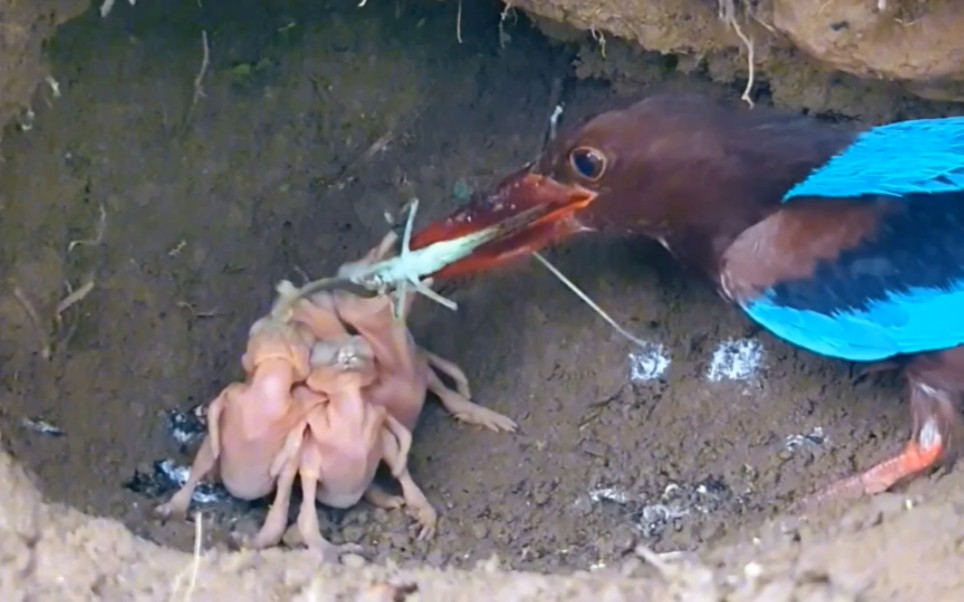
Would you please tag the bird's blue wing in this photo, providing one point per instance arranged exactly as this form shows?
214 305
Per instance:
901 290
923 156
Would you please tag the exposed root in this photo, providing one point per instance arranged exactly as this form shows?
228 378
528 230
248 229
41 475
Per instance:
600 39
727 14
108 5
199 314
686 577
35 320
458 23
75 297
588 301
54 89
205 62
348 171
503 16
98 233
195 567
176 249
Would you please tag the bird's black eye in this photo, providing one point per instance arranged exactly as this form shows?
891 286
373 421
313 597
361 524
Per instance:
588 163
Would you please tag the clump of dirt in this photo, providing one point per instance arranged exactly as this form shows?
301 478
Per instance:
145 224
913 41
848 57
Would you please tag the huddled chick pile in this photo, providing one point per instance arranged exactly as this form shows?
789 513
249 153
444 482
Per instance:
334 386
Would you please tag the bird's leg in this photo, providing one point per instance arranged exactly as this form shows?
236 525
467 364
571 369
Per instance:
934 419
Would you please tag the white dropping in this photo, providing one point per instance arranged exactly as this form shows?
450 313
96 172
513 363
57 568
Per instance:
736 359
609 494
649 362
179 475
815 438
183 437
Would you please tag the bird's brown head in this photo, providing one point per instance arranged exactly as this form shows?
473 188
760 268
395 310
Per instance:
682 169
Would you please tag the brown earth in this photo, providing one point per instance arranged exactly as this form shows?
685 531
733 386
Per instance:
206 204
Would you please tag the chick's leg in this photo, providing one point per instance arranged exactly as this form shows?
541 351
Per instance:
204 462
417 504
378 497
467 411
450 369
934 417
403 437
275 523
291 451
308 528
284 469
395 454
213 417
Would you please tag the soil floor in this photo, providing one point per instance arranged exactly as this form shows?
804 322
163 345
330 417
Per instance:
314 120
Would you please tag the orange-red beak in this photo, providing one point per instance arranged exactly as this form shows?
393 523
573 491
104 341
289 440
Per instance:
518 192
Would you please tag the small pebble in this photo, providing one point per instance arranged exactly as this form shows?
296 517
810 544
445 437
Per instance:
780 590
712 531
859 519
624 541
582 506
353 534
420 545
353 561
399 540
379 515
500 533
480 531
604 547
888 504
595 448
630 566
540 497
435 559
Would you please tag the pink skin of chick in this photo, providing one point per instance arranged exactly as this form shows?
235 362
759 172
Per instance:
406 371
253 427
347 438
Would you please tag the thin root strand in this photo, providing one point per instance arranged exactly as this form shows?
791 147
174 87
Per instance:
75 297
195 568
588 301
98 233
205 62
35 320
727 13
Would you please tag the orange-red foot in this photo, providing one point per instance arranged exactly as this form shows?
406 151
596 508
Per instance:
915 459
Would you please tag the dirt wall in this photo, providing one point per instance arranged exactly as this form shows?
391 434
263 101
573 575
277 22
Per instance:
820 55
113 143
